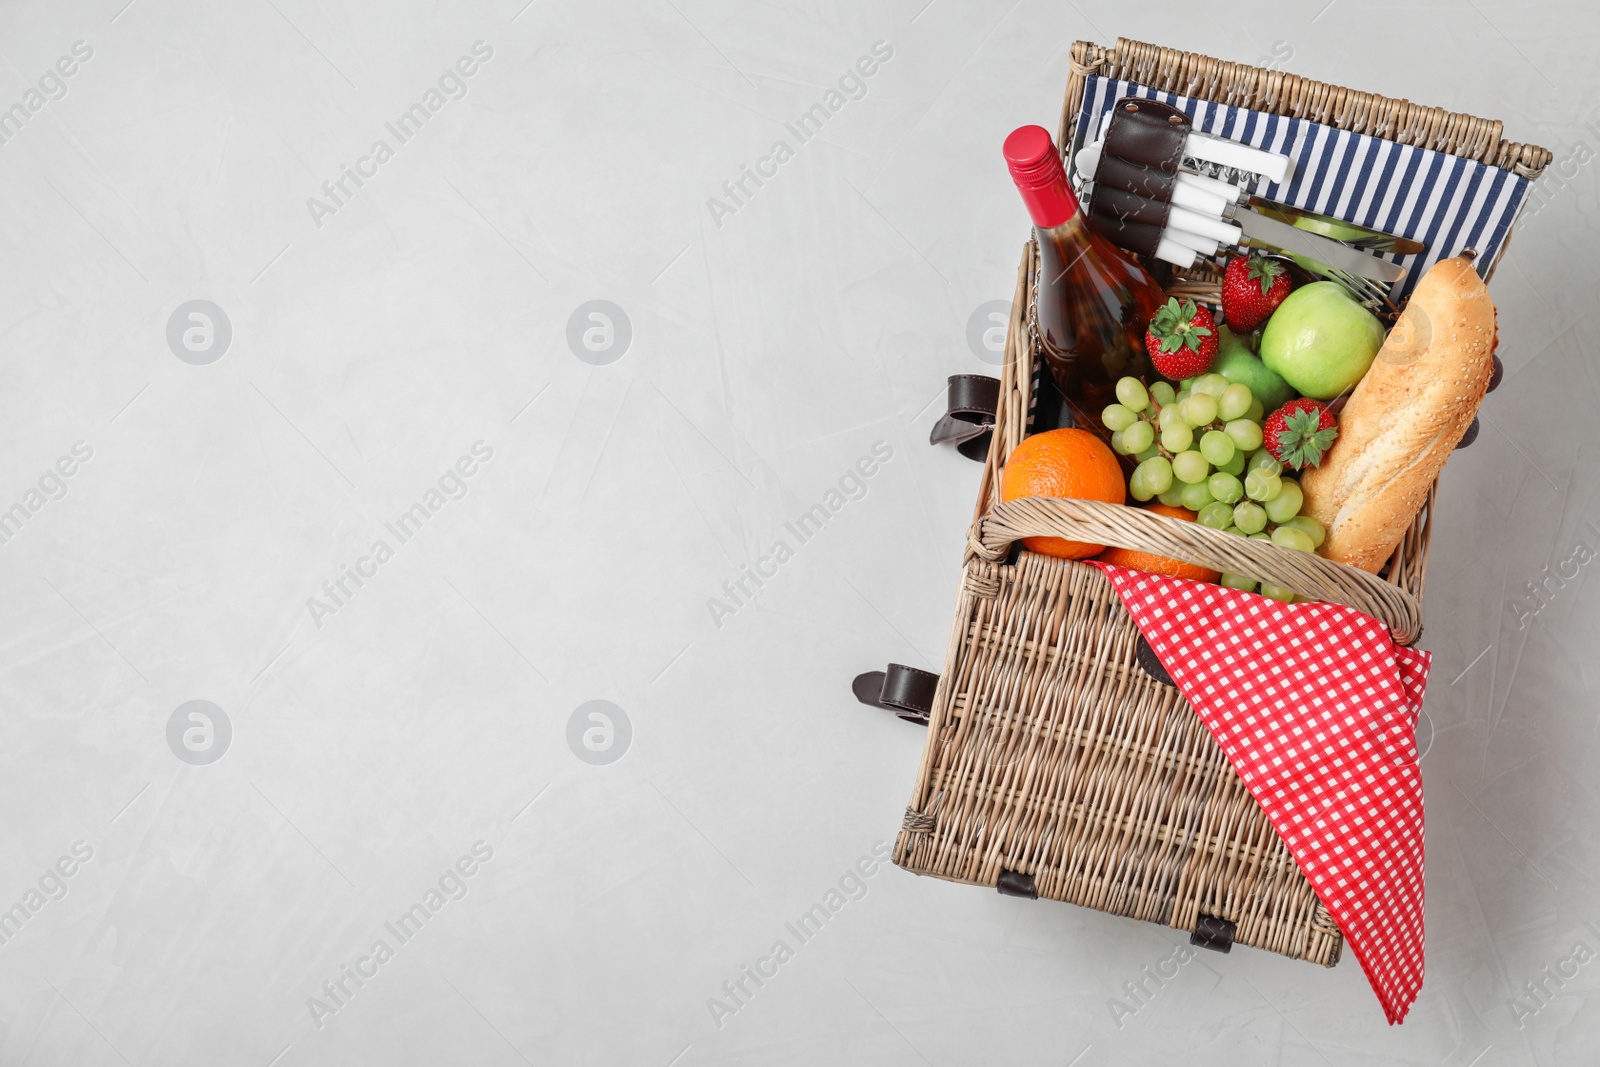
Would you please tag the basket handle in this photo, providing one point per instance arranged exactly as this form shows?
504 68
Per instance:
1099 523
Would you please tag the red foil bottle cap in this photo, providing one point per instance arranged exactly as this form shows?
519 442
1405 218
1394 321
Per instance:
1036 168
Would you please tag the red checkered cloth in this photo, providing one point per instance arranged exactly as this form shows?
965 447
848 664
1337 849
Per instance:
1317 710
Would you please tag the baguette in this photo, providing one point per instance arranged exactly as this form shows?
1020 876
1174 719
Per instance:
1405 417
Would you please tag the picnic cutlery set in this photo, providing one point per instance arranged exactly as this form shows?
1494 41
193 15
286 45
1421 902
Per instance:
1159 189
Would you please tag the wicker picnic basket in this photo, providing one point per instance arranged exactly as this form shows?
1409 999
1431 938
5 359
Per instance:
1055 766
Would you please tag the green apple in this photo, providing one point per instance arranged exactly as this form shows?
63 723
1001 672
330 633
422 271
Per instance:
1237 363
1320 340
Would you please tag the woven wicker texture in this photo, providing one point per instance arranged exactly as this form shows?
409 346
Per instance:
1112 524
1054 755
1051 754
1242 85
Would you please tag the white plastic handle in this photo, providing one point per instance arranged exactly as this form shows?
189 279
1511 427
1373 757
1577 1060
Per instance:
1205 246
1197 199
1227 153
1173 252
1226 190
1194 222
1085 162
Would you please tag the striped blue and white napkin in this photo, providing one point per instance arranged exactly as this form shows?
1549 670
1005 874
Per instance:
1446 202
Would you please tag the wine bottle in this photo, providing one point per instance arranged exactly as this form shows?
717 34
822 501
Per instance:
1094 302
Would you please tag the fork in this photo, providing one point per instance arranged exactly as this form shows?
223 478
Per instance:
1365 290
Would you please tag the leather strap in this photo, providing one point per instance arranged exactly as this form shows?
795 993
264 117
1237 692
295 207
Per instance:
1129 220
1151 182
1147 132
1138 169
1213 933
1129 206
1138 237
906 691
968 421
1151 664
1017 884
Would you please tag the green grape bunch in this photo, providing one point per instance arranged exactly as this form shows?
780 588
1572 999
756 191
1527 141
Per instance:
1199 446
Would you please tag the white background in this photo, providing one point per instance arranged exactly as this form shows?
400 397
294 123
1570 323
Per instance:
373 747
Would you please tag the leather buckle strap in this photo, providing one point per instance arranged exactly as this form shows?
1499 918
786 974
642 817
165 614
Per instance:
1140 238
1017 884
1151 664
1147 132
1152 183
1213 933
903 690
1130 207
1130 221
968 422
1138 169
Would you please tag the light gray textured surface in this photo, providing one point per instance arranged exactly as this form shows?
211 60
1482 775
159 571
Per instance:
376 744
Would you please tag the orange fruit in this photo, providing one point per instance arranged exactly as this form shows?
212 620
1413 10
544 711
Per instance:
1144 561
1063 463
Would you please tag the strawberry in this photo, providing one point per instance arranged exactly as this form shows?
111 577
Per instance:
1252 289
1181 340
1300 433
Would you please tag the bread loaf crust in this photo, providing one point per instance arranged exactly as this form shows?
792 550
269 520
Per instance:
1405 417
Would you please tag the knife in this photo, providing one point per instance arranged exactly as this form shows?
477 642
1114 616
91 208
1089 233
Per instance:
1361 236
1269 231
1262 230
